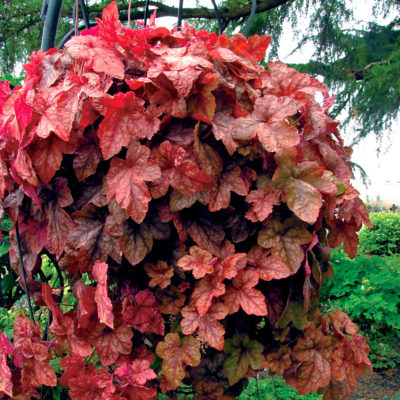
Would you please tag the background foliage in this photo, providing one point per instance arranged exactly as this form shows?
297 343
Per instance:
384 237
368 287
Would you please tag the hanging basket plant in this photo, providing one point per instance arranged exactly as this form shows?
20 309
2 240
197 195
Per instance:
200 193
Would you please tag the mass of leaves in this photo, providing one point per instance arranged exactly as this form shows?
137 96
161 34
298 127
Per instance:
200 192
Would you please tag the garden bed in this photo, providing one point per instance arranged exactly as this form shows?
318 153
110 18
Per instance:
377 385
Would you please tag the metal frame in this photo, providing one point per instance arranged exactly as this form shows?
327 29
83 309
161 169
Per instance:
51 9
50 13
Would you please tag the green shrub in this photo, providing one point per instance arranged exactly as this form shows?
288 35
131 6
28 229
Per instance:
14 81
269 388
367 288
384 237
272 388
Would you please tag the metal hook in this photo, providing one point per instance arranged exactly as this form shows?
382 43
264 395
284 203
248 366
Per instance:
251 17
146 14
75 9
69 34
52 15
85 14
218 17
43 13
81 4
180 14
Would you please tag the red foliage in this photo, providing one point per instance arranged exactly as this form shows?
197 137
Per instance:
200 191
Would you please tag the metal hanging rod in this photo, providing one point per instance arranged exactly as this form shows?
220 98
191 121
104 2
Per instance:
51 9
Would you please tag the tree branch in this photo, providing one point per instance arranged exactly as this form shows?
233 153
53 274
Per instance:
232 13
226 13
360 73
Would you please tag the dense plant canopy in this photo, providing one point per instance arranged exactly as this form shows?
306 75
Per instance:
358 59
199 193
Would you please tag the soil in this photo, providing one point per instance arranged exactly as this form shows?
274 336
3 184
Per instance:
376 385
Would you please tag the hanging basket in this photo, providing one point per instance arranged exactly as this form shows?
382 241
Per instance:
199 194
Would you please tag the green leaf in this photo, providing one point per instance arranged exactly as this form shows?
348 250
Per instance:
4 247
7 283
6 224
242 354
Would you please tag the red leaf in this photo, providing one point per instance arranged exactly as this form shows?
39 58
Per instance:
126 181
134 376
59 106
6 385
137 373
47 155
355 211
110 343
210 330
201 104
22 169
228 267
164 95
341 320
263 201
253 48
346 234
124 118
97 55
5 92
275 133
278 361
34 352
285 240
207 157
4 178
243 294
87 307
286 81
109 25
182 174
346 367
87 157
172 301
205 291
104 305
58 228
205 231
88 240
176 354
62 327
303 184
315 352
230 180
45 374
200 262
267 266
136 241
145 315
85 382
160 274
231 130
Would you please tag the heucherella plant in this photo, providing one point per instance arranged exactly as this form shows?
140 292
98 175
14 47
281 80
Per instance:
200 193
